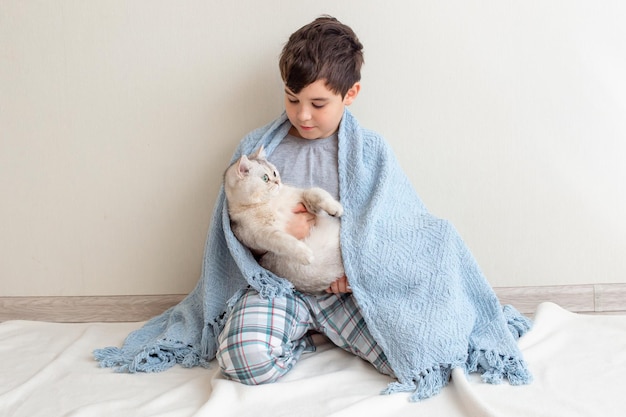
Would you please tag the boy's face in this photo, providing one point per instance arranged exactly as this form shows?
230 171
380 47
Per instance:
315 112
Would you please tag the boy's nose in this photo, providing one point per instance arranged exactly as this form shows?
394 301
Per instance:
304 114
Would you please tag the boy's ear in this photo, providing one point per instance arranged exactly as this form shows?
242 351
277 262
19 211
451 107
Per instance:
352 93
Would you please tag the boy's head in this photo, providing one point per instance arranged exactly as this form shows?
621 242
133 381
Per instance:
321 68
325 49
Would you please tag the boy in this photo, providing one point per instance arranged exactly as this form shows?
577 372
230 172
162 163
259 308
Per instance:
414 304
320 65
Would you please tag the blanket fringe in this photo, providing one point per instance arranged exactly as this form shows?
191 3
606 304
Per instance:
161 354
270 286
156 358
518 324
395 387
496 368
113 357
429 382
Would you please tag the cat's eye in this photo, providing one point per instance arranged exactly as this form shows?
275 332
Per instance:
266 178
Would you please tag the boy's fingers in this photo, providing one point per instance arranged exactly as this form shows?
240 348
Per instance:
299 208
339 286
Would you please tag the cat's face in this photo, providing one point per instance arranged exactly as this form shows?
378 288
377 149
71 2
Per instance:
252 179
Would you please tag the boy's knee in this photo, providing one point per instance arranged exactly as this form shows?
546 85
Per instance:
253 362
253 353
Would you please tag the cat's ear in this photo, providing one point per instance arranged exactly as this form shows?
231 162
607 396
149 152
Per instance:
243 166
259 154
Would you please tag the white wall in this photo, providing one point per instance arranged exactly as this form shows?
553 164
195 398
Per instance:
117 119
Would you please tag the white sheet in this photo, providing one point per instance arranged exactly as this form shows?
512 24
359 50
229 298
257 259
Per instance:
46 369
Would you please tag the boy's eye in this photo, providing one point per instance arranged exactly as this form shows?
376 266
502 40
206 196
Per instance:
318 106
266 178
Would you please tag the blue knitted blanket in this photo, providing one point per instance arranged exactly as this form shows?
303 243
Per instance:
421 292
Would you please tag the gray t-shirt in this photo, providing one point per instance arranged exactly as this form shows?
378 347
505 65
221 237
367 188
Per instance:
308 163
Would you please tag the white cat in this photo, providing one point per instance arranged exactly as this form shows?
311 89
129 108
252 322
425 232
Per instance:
260 205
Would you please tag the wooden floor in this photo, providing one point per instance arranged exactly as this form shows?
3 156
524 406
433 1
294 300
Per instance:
592 299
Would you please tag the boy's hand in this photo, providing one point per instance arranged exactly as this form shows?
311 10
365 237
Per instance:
340 286
299 226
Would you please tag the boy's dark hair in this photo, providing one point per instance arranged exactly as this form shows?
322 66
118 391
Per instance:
325 49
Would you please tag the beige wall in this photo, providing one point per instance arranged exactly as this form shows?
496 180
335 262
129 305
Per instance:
117 119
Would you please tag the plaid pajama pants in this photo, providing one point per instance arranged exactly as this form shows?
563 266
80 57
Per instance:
264 338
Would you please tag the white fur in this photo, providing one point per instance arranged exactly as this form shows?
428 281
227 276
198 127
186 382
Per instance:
259 212
326 265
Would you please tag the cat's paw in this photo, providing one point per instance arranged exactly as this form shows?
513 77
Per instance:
303 254
334 208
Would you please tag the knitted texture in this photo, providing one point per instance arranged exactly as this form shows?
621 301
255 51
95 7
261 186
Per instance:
421 292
